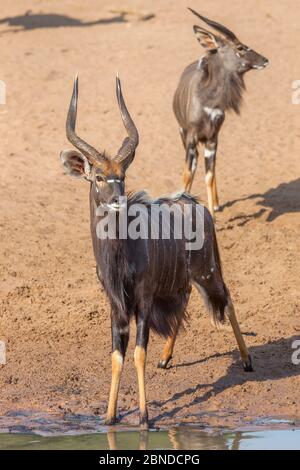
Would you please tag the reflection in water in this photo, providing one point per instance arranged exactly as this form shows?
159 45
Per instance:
191 438
143 441
182 437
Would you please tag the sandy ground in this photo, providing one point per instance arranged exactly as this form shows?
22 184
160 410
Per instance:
54 317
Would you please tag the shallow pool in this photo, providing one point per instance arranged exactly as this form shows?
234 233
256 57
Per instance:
180 437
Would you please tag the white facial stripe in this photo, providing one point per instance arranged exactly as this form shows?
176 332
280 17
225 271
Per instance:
113 181
213 113
209 153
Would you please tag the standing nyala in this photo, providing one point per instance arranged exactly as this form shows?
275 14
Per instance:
148 279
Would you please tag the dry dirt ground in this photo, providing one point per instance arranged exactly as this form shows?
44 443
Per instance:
54 316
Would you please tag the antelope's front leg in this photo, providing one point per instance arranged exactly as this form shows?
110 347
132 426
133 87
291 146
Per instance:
120 336
215 194
190 166
140 354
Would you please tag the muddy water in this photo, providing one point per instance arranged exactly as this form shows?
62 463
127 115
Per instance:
181 437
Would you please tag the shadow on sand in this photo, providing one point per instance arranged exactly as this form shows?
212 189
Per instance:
283 199
31 21
272 361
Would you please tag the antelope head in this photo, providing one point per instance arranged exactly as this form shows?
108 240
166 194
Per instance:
105 174
236 56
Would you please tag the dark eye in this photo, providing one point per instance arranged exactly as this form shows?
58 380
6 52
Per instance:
99 178
240 48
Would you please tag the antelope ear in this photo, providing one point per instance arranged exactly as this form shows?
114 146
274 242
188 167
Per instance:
76 164
207 40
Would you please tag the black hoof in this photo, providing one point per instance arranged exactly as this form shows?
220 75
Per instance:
163 363
248 365
111 421
144 424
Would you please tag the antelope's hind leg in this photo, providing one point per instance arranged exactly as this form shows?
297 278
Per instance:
167 351
120 336
217 299
246 358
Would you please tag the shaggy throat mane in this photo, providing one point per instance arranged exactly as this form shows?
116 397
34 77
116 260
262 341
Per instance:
224 87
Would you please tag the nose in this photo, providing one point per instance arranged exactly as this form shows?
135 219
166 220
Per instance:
266 61
115 199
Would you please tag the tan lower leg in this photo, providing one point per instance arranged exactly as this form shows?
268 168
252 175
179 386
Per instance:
237 332
117 365
215 194
209 177
187 179
168 350
140 364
